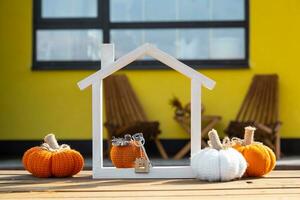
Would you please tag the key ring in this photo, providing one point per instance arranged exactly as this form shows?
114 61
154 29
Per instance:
139 138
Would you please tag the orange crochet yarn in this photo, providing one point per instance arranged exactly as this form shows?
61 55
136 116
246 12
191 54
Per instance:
260 158
51 159
124 156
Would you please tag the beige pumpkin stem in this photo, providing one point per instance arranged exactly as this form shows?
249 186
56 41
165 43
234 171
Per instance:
215 140
249 135
51 141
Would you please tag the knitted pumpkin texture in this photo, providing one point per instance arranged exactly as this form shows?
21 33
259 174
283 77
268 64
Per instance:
124 156
218 162
260 158
52 160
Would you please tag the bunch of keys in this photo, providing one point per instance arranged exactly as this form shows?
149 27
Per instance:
142 164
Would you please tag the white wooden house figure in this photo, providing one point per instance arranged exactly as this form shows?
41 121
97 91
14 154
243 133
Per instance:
108 66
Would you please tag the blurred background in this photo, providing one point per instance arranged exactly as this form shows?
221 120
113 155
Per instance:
47 46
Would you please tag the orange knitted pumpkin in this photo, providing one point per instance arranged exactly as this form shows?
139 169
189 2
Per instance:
260 158
124 156
51 159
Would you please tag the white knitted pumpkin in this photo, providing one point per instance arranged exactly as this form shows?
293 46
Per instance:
218 163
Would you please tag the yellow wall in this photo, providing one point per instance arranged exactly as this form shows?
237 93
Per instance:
35 103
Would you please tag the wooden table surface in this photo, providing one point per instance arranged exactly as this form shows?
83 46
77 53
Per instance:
20 185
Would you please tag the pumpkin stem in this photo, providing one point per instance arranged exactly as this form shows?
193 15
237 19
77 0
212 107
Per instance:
51 141
215 140
249 135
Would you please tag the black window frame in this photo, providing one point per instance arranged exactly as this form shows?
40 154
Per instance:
103 22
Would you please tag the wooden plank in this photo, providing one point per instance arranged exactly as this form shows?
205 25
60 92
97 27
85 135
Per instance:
132 113
246 102
79 184
143 194
116 97
28 179
175 185
20 185
88 173
112 116
252 109
276 101
134 100
262 102
265 197
125 108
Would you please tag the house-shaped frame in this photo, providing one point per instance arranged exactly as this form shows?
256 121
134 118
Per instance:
108 67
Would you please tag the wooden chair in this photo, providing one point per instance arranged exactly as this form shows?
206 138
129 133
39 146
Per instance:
124 113
260 109
182 116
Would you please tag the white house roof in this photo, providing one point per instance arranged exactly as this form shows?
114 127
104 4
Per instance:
150 50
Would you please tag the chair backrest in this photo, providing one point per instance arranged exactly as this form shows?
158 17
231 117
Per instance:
261 102
122 106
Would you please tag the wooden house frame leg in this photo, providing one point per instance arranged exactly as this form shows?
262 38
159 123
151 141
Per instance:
97 126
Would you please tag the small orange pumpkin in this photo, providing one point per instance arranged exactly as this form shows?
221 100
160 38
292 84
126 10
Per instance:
51 159
260 158
124 156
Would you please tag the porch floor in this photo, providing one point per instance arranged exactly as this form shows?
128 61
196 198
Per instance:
285 163
18 184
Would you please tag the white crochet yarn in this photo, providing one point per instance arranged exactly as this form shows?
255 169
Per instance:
225 164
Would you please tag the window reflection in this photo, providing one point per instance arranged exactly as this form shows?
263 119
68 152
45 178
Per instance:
227 43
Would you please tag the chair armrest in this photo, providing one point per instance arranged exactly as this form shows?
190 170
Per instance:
213 120
277 126
211 117
263 127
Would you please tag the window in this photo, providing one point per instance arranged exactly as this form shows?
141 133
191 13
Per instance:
202 33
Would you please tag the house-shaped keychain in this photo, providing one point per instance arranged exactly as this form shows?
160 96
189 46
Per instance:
108 66
142 165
